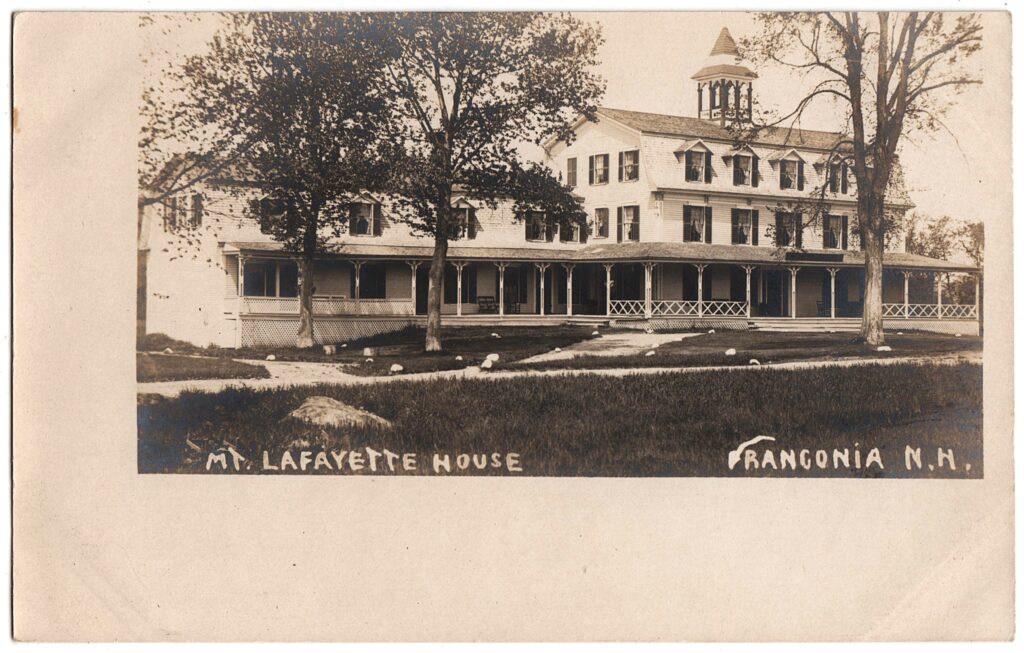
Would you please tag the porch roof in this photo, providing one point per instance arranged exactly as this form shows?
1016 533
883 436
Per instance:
629 252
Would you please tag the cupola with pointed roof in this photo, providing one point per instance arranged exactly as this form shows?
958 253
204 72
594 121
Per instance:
724 84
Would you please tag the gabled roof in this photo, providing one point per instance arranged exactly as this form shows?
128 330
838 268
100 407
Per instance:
694 128
689 145
783 154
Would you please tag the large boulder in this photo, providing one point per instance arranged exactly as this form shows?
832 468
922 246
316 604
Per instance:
331 412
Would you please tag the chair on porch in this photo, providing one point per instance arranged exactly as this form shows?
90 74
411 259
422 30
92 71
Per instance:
486 304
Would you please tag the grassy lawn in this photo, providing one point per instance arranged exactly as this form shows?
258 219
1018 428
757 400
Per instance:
641 425
767 347
172 367
406 348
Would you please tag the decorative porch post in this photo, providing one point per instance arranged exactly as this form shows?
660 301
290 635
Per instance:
458 288
700 288
608 288
647 289
413 266
832 292
938 284
501 288
977 296
569 267
543 267
241 300
748 269
906 294
359 266
792 291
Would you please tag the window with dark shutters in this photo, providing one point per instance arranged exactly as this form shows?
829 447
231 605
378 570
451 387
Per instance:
742 226
833 177
630 223
599 169
570 172
197 210
629 165
787 174
170 213
600 223
364 219
697 224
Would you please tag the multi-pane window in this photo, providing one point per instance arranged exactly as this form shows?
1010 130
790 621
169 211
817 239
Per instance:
600 223
463 224
629 165
183 211
741 171
787 174
833 232
536 227
629 223
743 226
271 279
695 166
364 219
598 169
570 172
695 224
787 230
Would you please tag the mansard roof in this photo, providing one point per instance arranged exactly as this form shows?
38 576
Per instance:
696 128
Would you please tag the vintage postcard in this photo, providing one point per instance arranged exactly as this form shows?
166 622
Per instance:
448 326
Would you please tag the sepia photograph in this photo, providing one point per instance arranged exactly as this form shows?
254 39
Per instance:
483 243
469 324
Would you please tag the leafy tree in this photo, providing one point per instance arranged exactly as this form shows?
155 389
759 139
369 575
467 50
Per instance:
289 105
470 89
890 75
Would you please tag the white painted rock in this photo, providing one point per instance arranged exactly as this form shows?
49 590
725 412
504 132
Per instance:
730 352
369 360
330 350
883 348
754 361
558 349
344 345
458 358
493 357
331 412
650 353
168 351
396 368
711 330
595 333
487 364
956 335
271 357
495 335
899 333
368 351
831 330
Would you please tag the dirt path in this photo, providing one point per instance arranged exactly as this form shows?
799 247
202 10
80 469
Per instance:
611 344
284 374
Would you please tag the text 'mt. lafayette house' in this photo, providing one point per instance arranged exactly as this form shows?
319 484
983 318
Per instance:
684 228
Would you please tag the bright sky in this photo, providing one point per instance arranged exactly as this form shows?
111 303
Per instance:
649 57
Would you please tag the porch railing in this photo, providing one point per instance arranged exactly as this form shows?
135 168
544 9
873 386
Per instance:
931 311
327 305
678 308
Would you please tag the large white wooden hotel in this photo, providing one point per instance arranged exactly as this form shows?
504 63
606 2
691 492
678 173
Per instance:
685 229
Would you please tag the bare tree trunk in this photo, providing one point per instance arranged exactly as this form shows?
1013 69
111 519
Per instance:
437 263
304 339
871 325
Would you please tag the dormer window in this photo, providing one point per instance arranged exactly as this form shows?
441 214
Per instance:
276 214
629 165
837 178
787 174
463 224
364 219
598 169
741 171
698 166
